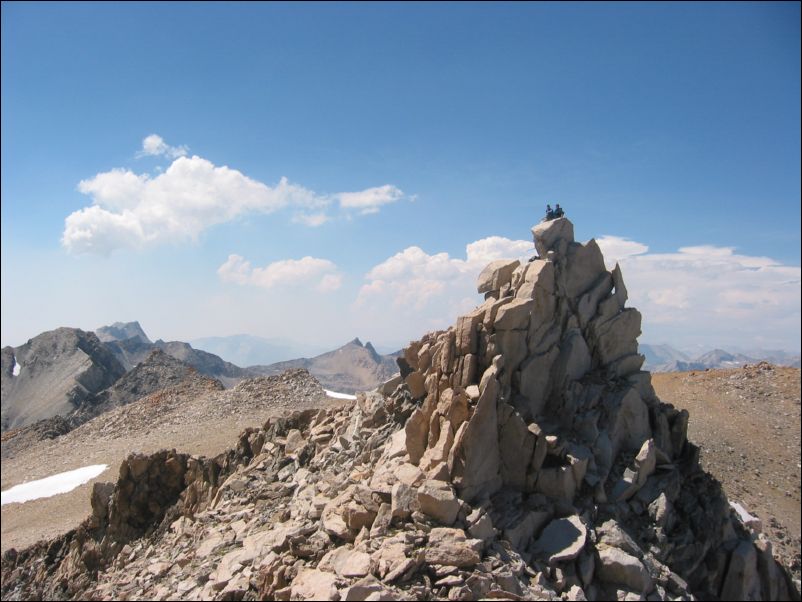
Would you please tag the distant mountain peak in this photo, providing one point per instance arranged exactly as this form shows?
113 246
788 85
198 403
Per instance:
356 342
120 331
375 354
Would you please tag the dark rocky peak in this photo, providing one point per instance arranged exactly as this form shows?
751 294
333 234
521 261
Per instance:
373 353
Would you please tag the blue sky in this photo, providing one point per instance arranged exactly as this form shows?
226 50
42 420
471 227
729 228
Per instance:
670 132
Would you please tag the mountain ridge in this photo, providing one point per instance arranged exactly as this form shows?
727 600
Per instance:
665 358
350 368
52 374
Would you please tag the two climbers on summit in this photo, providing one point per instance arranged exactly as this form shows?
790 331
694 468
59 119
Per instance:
551 214
554 213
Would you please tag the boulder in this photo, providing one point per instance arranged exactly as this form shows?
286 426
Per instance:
616 566
414 382
450 547
312 584
345 562
516 445
536 380
404 501
747 520
617 337
495 275
742 582
295 442
584 268
521 532
476 467
417 431
631 427
437 499
466 332
514 315
537 281
549 234
562 539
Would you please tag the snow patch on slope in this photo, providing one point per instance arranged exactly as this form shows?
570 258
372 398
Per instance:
50 486
336 395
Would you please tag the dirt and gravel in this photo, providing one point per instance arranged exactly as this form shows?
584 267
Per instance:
746 422
194 417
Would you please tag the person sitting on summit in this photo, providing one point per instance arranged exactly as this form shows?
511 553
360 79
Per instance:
558 211
549 213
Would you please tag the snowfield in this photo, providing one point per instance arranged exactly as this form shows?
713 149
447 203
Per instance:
336 395
50 486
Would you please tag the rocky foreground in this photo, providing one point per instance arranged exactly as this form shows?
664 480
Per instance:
521 454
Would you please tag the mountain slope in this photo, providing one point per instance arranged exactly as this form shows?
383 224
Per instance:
660 355
157 373
351 368
52 374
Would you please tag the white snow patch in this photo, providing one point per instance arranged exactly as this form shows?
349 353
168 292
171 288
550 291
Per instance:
15 370
58 483
336 395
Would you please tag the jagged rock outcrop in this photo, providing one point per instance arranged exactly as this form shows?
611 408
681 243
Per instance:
52 374
524 455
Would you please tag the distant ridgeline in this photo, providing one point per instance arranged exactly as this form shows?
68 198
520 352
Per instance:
57 372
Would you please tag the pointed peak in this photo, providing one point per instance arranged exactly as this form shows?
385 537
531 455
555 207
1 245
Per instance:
356 342
373 353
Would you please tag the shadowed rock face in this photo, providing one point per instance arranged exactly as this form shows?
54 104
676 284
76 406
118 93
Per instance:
52 374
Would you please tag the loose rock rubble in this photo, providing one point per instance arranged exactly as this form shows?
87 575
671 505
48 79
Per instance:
520 455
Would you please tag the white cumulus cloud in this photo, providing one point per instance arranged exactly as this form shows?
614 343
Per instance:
701 295
136 210
310 219
615 248
154 145
709 295
370 199
414 279
320 274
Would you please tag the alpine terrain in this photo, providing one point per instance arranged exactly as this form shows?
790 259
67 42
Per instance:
521 454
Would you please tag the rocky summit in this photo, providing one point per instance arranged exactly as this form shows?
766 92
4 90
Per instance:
521 454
